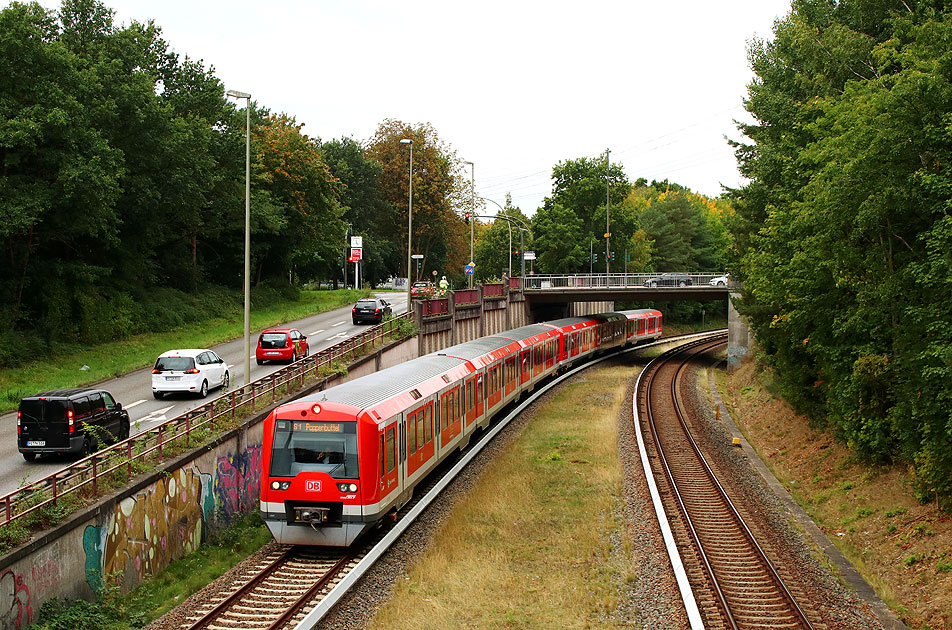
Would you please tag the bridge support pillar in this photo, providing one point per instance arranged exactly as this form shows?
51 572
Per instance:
739 337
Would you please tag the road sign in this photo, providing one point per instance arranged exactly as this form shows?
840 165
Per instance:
416 256
468 269
357 242
529 256
355 253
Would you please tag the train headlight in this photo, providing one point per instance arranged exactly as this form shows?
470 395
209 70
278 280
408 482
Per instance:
347 487
280 485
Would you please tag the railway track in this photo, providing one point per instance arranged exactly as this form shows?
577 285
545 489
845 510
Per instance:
733 581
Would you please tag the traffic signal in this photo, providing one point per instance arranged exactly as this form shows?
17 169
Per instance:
516 252
466 218
589 259
611 256
594 257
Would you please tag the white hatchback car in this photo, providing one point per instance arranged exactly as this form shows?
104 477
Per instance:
721 281
194 371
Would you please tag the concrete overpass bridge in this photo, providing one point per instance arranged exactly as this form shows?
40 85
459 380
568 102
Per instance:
552 296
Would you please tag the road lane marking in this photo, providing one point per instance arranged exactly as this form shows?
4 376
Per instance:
317 332
341 335
338 324
133 404
157 416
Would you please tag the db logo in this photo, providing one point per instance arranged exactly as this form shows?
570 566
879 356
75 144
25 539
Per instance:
312 485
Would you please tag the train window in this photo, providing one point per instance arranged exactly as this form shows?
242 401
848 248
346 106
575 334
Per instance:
525 362
420 440
391 451
537 355
383 463
411 434
428 423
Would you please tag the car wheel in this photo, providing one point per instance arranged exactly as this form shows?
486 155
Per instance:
87 448
29 456
259 361
158 395
355 322
307 351
682 283
203 392
653 285
226 381
124 432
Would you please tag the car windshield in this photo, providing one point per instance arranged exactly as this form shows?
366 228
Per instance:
272 337
366 301
174 364
308 446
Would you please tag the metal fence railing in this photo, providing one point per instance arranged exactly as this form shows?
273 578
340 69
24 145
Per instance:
620 280
119 463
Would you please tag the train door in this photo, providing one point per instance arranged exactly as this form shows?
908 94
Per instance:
471 397
550 353
419 438
494 384
538 361
576 343
641 327
525 365
389 470
450 420
510 375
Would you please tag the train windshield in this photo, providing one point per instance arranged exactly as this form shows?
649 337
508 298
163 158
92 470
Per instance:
308 446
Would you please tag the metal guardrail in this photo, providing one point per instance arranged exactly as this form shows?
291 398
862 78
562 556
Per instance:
135 454
618 280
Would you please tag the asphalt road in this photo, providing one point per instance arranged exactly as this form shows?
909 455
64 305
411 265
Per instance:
134 390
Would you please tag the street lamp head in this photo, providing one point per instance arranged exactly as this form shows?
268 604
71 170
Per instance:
237 94
406 141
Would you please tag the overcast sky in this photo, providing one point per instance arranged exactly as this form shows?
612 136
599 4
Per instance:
513 86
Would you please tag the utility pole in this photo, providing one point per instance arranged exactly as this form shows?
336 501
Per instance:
608 200
591 251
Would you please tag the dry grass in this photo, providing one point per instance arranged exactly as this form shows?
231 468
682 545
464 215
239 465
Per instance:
530 546
902 548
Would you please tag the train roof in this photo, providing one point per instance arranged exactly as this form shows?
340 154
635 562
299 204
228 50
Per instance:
524 332
375 388
475 348
565 322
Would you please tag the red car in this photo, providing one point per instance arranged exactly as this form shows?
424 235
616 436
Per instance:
281 344
420 290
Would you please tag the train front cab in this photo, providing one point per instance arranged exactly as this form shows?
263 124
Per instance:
311 465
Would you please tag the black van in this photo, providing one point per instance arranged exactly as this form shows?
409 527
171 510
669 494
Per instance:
69 421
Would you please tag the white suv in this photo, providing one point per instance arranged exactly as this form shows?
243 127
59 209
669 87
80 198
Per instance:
194 371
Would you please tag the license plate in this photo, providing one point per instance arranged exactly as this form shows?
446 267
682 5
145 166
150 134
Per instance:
273 353
173 378
36 442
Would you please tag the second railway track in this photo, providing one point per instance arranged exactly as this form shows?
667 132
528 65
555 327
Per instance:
734 582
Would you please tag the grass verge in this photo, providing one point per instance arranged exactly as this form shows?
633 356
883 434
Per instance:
531 546
120 357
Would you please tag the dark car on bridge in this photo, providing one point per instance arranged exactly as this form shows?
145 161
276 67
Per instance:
670 279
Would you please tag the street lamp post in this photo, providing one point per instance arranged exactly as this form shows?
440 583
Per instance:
409 221
509 221
247 97
608 232
472 219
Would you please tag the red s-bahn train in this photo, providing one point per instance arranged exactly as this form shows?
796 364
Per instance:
336 462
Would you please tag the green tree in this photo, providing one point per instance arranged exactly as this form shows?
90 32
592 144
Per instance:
438 232
841 235
365 208
561 243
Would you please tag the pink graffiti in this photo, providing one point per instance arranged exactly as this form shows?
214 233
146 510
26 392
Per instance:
238 480
15 608
46 574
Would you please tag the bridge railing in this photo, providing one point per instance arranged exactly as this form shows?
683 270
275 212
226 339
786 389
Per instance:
618 280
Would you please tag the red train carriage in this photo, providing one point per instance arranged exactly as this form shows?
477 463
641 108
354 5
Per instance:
338 461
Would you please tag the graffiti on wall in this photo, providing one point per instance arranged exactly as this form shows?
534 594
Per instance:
151 528
237 482
16 610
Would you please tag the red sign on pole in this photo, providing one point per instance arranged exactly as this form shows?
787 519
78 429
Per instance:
354 254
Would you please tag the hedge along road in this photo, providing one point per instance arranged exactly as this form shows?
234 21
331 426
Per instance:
134 390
